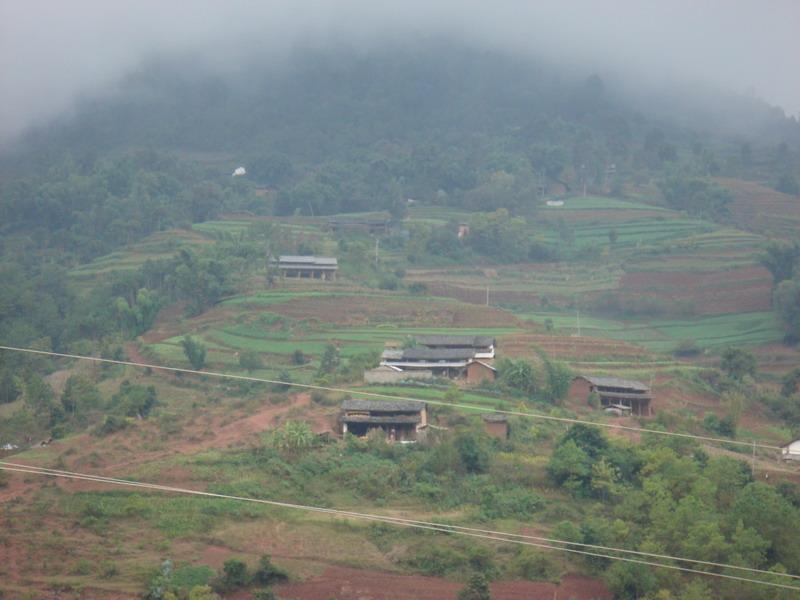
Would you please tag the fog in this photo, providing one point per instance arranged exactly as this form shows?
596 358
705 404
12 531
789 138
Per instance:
52 53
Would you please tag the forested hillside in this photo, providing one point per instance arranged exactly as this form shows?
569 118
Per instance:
584 228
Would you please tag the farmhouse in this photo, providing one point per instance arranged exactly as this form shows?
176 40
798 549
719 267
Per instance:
613 392
453 363
482 346
401 421
791 451
311 267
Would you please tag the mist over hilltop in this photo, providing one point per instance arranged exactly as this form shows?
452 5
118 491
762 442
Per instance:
53 54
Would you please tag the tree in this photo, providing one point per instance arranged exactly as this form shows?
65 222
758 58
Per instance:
696 195
605 478
559 378
787 183
234 574
195 352
781 258
791 382
134 400
38 395
571 467
473 451
737 363
250 360
267 573
293 437
629 581
79 395
330 359
9 389
517 375
786 300
477 588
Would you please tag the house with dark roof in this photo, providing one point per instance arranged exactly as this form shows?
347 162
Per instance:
624 395
400 420
310 267
454 363
482 346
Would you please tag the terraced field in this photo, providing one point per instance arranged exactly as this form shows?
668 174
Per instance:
661 335
160 245
761 209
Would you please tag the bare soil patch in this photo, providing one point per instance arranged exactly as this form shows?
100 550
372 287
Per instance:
761 209
358 311
745 289
346 584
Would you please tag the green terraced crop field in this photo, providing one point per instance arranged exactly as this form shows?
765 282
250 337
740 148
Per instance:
712 332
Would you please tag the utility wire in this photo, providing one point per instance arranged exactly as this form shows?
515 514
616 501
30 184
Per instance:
455 528
310 386
432 526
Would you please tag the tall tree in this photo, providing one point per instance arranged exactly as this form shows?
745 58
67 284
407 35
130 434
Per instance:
195 352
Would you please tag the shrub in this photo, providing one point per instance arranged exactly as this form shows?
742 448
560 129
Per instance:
533 565
298 357
686 348
234 574
111 424
725 426
477 588
437 560
108 569
250 360
267 573
195 352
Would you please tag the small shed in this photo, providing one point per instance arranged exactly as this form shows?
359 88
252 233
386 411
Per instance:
496 425
613 392
791 451
400 420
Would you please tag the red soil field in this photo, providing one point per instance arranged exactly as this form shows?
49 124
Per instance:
761 209
746 289
355 310
570 347
351 584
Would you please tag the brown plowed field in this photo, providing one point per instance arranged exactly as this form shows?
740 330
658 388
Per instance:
738 290
355 584
570 347
761 209
358 310
478 295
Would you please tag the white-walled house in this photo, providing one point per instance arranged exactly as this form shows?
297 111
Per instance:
791 451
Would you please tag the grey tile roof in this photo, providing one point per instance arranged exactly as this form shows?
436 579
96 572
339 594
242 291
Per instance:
465 341
411 354
288 259
383 405
616 382
494 417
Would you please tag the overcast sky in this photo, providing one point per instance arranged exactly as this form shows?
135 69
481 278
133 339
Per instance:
52 51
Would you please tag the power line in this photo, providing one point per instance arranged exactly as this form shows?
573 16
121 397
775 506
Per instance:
310 386
101 478
426 525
